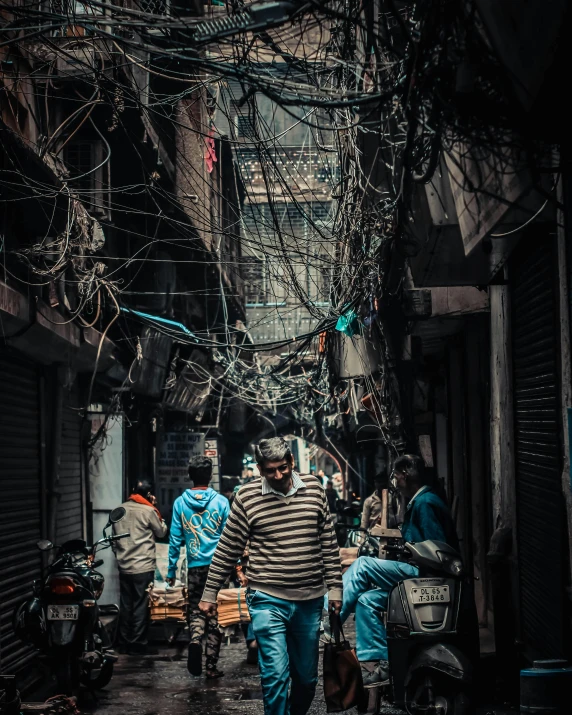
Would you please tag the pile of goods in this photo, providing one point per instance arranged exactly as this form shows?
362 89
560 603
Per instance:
167 604
232 608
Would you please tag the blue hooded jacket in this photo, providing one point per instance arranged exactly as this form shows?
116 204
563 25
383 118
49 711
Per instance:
427 518
199 516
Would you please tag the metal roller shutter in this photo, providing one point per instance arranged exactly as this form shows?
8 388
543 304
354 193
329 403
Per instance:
20 502
70 487
540 507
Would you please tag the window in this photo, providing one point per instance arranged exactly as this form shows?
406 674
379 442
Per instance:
245 126
89 174
72 10
160 8
79 159
155 7
254 276
325 266
320 277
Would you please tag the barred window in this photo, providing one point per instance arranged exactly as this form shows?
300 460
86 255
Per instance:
255 284
245 126
155 7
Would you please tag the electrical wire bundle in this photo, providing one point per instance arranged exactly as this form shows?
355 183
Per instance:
300 102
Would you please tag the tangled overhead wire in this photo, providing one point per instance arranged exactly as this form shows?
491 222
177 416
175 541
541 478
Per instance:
334 112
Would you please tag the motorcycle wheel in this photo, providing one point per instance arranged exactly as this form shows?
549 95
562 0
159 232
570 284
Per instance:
100 680
461 704
446 697
67 671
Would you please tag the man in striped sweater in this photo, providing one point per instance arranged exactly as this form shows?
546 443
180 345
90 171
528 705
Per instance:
293 561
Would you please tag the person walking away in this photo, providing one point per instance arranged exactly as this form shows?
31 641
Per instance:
199 517
323 478
368 581
293 560
136 558
332 497
338 482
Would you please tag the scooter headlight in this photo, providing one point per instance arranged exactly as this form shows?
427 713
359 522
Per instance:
451 564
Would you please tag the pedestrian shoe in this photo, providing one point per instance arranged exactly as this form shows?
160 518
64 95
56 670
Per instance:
214 673
110 655
252 654
325 633
195 659
379 675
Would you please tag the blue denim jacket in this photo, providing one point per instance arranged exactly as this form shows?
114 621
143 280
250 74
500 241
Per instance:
427 517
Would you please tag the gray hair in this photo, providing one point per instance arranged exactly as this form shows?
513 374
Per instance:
272 450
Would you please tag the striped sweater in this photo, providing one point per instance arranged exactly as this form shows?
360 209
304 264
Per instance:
293 552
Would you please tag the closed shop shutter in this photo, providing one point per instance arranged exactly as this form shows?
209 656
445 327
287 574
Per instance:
20 501
540 507
70 503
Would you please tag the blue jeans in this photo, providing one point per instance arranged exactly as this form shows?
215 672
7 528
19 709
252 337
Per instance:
367 584
288 637
249 634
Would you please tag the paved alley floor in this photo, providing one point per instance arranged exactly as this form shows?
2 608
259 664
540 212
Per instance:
161 685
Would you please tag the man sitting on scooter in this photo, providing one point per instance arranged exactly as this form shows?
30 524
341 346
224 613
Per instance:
368 581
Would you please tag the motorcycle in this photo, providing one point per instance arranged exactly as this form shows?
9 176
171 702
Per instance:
432 633
62 619
348 535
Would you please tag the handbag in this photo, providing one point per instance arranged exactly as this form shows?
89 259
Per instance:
343 684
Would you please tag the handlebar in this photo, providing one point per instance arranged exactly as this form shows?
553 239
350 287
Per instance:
118 536
396 548
107 541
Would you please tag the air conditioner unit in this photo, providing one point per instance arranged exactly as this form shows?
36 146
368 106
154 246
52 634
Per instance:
76 61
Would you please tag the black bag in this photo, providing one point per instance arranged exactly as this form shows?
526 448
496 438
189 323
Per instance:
343 684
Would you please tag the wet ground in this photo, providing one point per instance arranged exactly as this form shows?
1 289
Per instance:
161 685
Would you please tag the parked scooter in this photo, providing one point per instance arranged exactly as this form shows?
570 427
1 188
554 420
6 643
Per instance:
432 633
62 619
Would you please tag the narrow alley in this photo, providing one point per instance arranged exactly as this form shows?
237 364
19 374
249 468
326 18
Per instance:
285 349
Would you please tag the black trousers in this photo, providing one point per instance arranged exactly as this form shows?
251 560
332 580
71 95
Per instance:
134 608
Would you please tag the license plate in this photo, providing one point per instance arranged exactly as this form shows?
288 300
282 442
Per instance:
431 594
63 613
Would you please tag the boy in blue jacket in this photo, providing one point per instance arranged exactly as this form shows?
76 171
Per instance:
368 581
199 516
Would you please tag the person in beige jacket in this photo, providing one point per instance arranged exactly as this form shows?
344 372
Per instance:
136 559
372 506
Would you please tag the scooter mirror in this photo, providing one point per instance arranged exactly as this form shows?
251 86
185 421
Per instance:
117 515
44 545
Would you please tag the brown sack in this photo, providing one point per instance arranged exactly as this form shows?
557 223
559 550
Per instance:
343 684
